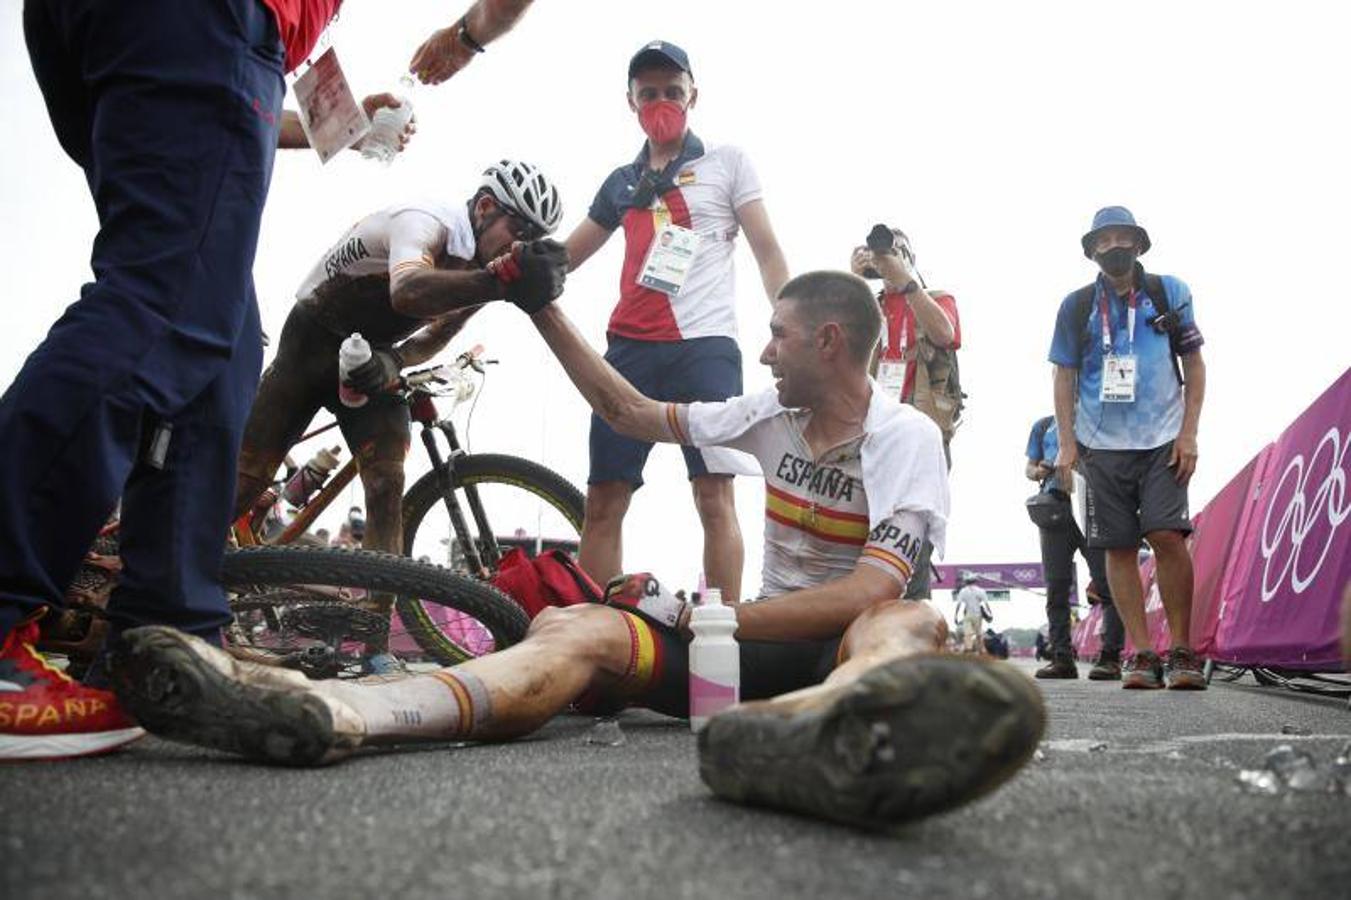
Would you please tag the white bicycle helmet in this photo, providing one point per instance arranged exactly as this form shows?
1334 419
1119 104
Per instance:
525 190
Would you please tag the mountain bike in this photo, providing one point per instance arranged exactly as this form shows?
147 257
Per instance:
306 607
466 513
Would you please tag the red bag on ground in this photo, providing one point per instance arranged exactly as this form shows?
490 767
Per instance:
551 579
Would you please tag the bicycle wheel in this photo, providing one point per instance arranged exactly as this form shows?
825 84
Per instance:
301 604
523 504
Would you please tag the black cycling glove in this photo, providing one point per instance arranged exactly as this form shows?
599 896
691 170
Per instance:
533 273
378 374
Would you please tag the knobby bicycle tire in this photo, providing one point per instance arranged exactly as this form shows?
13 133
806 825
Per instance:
487 468
413 583
493 468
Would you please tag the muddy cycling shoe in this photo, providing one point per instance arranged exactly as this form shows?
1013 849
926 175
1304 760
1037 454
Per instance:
909 738
180 687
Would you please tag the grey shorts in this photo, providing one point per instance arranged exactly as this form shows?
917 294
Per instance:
1130 494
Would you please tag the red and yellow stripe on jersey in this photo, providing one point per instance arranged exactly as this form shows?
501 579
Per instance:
819 522
875 554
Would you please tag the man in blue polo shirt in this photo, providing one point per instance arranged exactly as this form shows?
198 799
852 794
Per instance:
681 204
1131 343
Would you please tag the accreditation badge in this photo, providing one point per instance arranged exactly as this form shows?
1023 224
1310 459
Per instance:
669 259
891 378
329 113
1118 379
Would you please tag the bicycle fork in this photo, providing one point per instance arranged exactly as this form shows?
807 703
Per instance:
480 554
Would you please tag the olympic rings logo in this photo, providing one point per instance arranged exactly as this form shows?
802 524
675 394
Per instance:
1303 513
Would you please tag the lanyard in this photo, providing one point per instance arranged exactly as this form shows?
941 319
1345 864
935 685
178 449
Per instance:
903 315
1107 322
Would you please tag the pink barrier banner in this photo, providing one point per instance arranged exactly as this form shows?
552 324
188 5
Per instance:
1271 552
1212 545
1291 560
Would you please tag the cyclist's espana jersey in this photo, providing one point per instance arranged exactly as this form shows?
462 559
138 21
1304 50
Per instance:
349 288
870 501
708 184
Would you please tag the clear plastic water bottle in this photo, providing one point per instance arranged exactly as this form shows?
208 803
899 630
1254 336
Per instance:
715 659
309 478
387 125
353 352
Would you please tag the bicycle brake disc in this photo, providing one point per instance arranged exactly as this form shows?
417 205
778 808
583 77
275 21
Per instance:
329 621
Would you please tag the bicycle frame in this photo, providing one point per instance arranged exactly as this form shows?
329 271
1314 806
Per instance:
480 555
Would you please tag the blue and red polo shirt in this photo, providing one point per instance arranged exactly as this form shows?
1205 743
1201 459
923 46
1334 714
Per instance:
702 190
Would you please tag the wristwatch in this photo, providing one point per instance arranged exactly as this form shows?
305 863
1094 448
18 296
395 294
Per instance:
910 287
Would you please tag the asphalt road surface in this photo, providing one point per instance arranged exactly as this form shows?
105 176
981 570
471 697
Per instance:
1156 813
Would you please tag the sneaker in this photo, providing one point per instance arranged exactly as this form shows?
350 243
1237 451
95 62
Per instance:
1107 668
180 687
1183 670
1143 672
909 738
46 714
1060 666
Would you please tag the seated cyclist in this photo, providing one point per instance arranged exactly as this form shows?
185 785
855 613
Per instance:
407 278
856 716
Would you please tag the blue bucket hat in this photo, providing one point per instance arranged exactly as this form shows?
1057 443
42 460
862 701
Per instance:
1113 217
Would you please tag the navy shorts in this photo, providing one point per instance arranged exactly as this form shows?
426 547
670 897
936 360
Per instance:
706 368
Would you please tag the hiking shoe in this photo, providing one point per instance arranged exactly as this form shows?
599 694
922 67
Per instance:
1143 672
1107 668
1060 666
1182 671
180 687
909 738
46 714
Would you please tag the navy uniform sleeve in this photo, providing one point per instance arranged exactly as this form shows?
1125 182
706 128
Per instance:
604 209
1065 343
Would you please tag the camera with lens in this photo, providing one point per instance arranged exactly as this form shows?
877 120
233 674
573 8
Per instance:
881 239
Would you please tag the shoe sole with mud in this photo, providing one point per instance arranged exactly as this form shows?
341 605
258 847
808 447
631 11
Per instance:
174 693
908 739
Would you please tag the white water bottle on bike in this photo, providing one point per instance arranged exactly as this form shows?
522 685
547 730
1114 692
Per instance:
354 352
715 659
309 478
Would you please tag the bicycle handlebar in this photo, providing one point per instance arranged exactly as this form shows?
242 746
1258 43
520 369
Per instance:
448 373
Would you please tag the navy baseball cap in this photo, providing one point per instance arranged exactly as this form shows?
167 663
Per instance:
662 53
1113 217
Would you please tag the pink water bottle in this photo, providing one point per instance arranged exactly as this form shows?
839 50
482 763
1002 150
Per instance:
309 478
715 659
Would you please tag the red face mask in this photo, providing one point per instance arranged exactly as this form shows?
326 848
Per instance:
663 120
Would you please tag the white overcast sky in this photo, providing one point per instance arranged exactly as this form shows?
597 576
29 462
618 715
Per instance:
989 131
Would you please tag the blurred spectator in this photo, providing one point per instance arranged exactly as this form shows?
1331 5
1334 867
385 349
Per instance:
1060 538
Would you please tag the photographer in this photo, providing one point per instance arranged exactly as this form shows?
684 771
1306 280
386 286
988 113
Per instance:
1060 538
921 326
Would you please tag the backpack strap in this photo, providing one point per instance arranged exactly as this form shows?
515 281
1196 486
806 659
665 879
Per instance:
1154 290
1083 309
